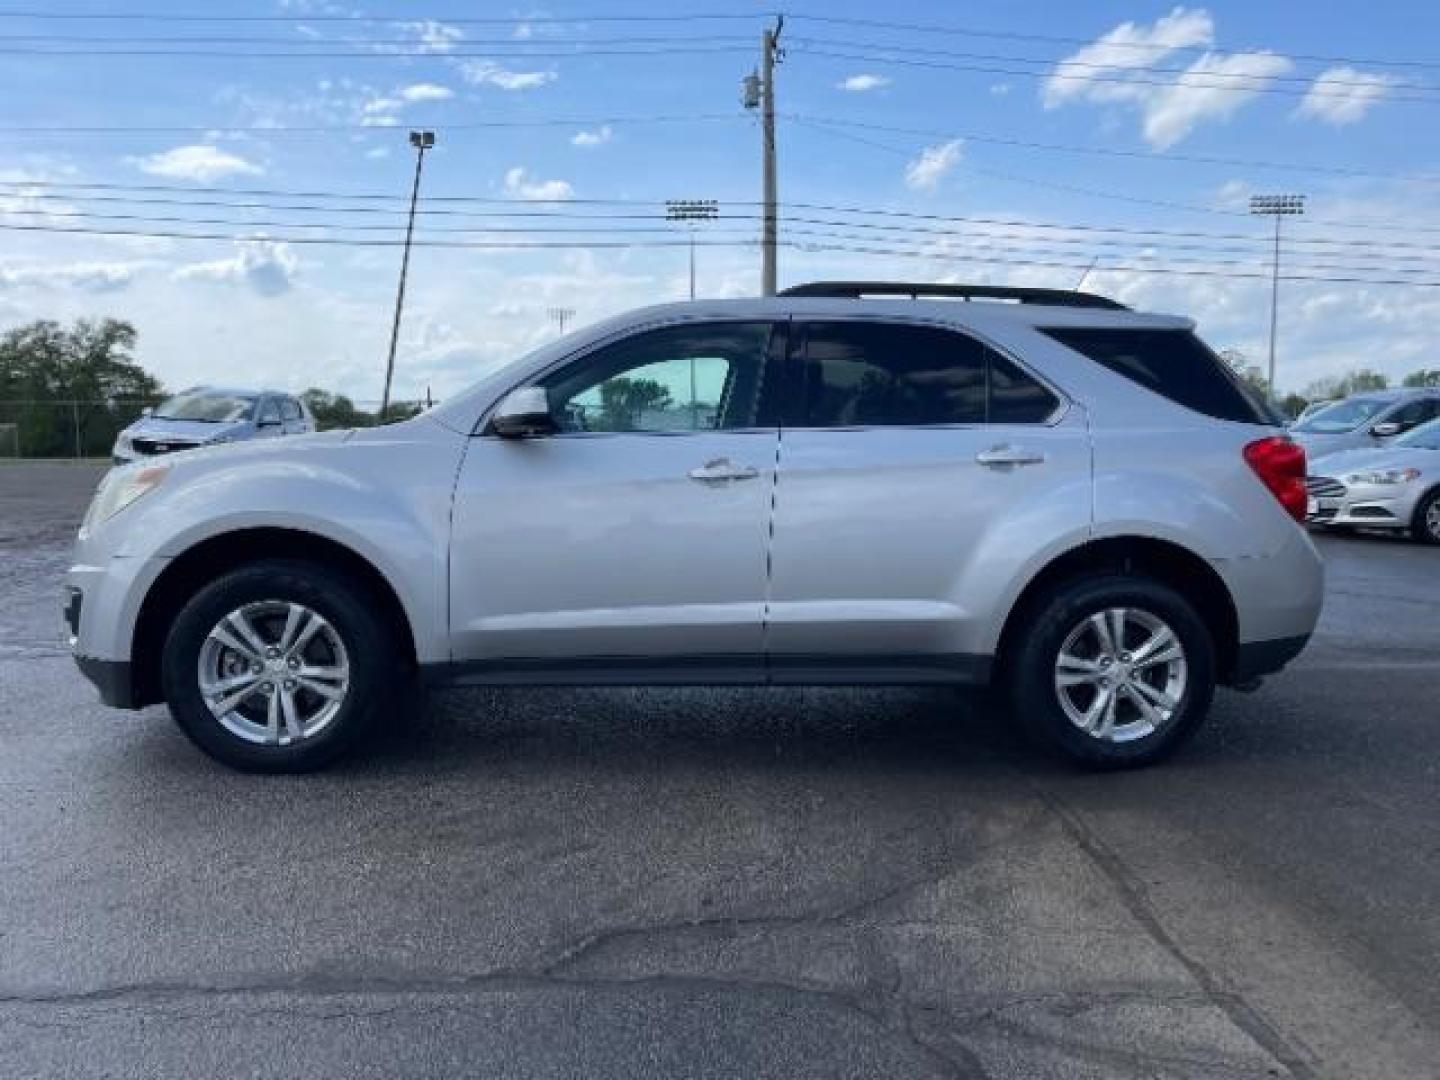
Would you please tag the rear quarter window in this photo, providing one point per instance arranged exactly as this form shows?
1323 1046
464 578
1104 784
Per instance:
1175 364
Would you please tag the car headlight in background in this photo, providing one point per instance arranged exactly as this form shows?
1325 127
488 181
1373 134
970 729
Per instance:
1383 476
119 489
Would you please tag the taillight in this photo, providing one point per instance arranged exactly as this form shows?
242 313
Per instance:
1279 462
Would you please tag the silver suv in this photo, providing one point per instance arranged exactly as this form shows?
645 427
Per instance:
207 415
846 484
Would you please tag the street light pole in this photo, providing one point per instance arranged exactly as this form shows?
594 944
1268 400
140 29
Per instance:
421 141
561 316
1276 206
690 211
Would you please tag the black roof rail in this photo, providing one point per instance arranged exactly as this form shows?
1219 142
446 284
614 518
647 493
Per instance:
854 290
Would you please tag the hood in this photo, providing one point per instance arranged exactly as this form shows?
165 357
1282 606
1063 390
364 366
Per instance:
1317 445
196 431
1379 457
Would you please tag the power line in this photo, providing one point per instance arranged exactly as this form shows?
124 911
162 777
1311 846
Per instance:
411 19
1007 35
1198 80
1053 62
373 128
1134 155
363 54
1169 267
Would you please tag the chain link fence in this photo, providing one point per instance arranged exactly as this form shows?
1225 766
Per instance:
87 429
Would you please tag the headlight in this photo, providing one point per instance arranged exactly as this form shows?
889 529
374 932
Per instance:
119 489
1383 476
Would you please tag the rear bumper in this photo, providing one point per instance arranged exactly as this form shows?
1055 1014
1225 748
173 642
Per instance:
1256 658
112 679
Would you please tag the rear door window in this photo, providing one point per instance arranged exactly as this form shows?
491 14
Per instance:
863 374
1175 364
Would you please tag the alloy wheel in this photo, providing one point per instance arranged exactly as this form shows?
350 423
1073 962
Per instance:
274 672
1121 674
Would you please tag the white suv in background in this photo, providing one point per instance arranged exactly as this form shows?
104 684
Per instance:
847 484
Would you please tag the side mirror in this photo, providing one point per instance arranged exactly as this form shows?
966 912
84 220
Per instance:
1385 430
148 410
523 413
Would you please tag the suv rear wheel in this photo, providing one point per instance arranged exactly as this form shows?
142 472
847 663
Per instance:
279 666
1112 671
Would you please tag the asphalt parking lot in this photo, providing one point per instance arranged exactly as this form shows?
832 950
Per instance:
738 883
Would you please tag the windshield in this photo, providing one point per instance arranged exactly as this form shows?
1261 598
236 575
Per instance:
1424 437
207 406
1344 415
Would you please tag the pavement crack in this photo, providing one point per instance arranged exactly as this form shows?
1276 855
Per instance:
1135 896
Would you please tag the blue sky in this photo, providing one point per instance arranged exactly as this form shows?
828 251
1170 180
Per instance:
1143 122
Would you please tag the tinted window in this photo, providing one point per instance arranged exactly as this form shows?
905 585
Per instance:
1415 412
887 375
701 377
206 405
290 409
1341 416
1174 364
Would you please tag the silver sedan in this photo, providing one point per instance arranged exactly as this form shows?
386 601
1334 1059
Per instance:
1392 487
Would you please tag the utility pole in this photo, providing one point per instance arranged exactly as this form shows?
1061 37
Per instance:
691 211
1276 206
759 91
560 316
421 141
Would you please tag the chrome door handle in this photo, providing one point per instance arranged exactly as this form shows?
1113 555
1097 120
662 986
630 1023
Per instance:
722 470
1009 455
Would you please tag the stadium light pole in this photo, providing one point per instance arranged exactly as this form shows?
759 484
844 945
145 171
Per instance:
690 211
560 316
1276 206
421 141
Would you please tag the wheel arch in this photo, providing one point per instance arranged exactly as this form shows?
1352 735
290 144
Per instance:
1169 563
205 560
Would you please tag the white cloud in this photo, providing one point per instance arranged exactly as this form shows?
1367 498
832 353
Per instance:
1117 68
933 164
92 277
200 162
435 36
863 82
1125 48
519 185
1233 195
489 73
599 137
425 91
1342 95
1212 88
267 266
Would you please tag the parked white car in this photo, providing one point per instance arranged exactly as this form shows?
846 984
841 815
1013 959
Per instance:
1394 487
1039 489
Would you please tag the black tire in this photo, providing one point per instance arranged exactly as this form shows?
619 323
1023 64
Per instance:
376 671
1035 649
1420 528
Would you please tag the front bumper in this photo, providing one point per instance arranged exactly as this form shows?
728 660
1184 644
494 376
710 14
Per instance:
112 679
1370 506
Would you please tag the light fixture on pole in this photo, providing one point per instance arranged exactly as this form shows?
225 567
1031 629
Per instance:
560 316
421 141
1276 206
690 211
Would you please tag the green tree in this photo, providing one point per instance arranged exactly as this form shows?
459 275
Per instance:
335 410
1353 382
1423 377
624 401
74 387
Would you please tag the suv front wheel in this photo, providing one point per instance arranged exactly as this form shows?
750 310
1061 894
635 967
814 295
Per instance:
279 666
1112 671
